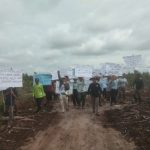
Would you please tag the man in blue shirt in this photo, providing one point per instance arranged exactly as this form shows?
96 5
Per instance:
103 85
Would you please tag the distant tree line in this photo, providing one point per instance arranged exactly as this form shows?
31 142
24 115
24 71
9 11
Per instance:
146 78
28 80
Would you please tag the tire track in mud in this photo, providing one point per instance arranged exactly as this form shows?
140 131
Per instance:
78 130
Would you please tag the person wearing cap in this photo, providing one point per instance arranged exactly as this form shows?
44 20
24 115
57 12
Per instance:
95 92
38 94
63 89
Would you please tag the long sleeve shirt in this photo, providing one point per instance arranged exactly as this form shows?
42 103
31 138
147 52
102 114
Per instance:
114 85
80 86
38 91
103 83
94 89
75 86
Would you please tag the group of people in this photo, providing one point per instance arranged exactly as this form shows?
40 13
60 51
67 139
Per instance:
110 88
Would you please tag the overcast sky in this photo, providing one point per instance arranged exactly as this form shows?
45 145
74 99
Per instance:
40 35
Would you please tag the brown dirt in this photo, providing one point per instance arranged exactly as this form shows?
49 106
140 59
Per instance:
78 130
75 130
133 121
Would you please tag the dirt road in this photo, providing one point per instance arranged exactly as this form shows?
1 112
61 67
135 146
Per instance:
79 130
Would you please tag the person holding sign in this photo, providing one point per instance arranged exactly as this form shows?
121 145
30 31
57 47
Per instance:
63 89
10 98
95 92
38 94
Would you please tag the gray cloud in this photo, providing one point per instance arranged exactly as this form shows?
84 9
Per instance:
40 35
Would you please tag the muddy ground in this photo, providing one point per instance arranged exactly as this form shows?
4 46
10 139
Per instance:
133 121
120 127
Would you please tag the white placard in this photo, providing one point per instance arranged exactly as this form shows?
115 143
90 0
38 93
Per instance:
111 69
11 78
83 72
57 90
133 61
54 75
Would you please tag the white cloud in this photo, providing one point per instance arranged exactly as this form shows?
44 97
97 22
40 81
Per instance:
40 35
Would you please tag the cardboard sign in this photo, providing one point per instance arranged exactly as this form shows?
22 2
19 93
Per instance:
44 79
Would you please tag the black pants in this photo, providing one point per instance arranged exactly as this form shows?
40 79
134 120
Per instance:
75 97
49 96
113 96
82 99
95 103
121 93
38 103
108 95
137 95
104 93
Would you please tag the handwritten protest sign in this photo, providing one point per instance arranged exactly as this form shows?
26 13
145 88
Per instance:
133 61
83 72
108 69
10 78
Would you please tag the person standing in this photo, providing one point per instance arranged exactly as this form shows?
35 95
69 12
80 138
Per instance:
75 93
81 93
63 88
10 98
103 85
95 91
108 89
138 86
38 94
114 90
122 85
